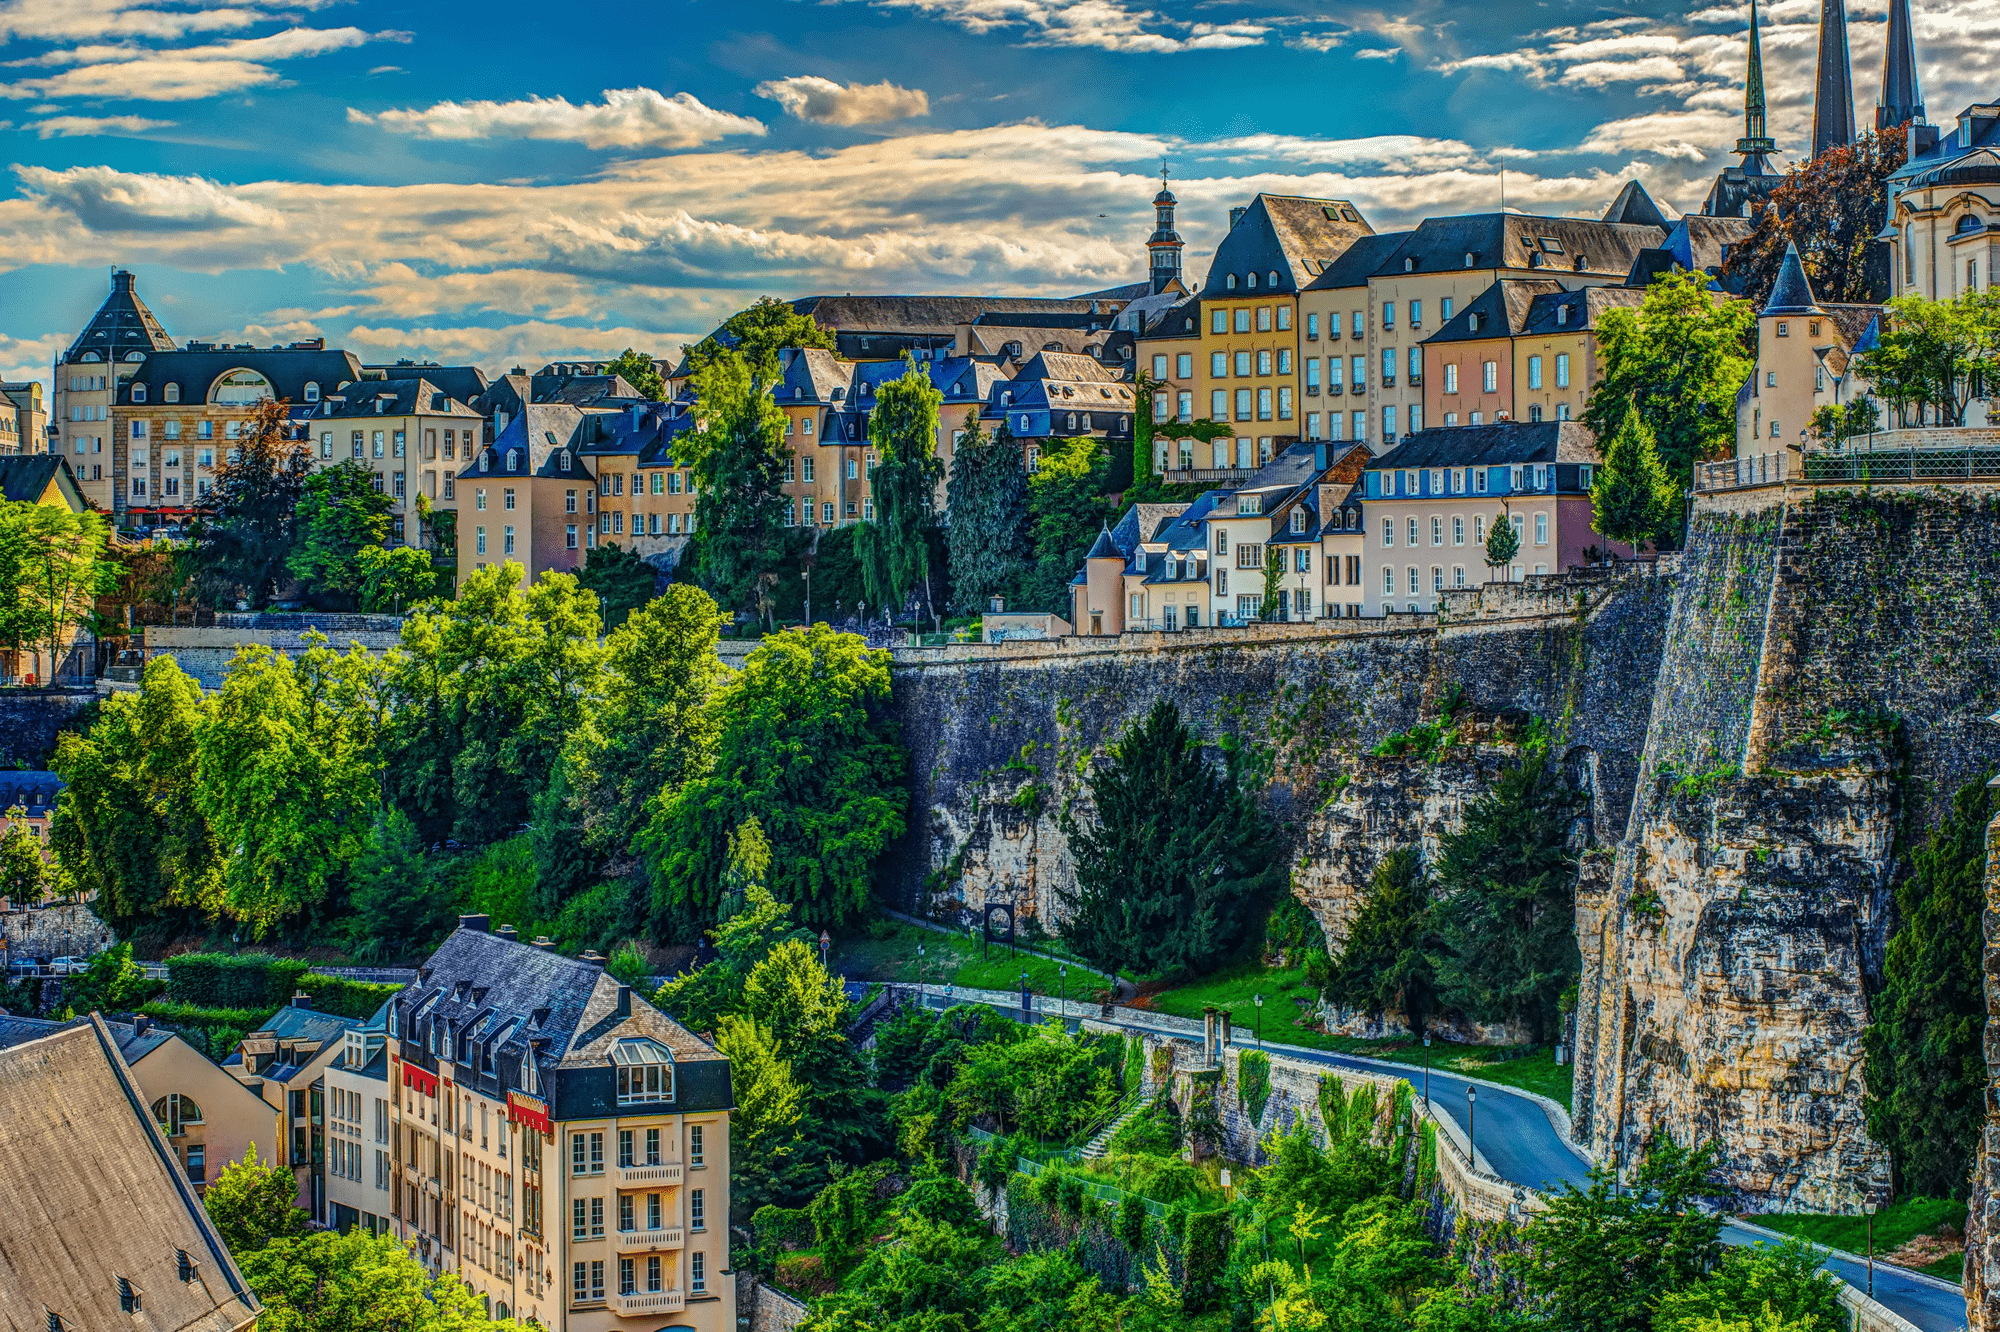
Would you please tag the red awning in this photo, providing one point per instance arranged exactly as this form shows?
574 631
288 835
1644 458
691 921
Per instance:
426 1083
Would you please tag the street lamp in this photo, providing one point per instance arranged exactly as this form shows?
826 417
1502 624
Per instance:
1427 1072
1258 1000
1868 1210
920 975
1027 1000
807 574
1062 968
1471 1112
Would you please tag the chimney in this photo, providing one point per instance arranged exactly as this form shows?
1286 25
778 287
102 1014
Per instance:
1236 215
1319 461
141 1024
592 956
1920 139
477 924
508 933
623 1008
543 942
300 999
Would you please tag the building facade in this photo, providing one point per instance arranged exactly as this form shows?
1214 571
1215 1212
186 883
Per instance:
113 344
360 1175
285 1063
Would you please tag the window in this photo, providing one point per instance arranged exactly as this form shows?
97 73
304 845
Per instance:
1388 424
586 1153
139 392
1388 367
1388 314
625 1140
1388 532
1263 319
697 1271
1243 320
1414 580
1562 372
1388 581
1160 365
1444 308
507 540
197 1162
1437 531
1312 326
1774 430
1784 331
1534 372
1416 365
1541 529
1263 363
653 1274
1489 376
694 1146
697 1210
1184 406
480 541
1303 560
1263 404
1413 531
1218 319
1478 484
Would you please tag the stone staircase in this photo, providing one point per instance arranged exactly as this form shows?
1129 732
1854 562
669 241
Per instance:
1100 1146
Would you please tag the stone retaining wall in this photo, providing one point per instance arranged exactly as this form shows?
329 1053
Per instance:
764 1308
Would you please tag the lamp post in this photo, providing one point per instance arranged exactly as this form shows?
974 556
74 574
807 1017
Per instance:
1027 1000
1062 968
1868 1210
1427 1072
1258 1000
1471 1112
920 975
807 574
825 942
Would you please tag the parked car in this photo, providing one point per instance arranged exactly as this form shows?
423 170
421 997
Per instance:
23 966
68 966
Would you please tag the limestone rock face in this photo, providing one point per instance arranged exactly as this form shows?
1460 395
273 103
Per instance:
1982 1225
1007 846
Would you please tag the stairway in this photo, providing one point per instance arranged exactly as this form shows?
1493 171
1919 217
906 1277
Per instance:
1099 1147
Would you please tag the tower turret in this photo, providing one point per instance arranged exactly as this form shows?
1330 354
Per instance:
1756 144
1164 245
1833 87
1902 96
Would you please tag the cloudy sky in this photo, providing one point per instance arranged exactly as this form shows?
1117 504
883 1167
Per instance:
506 183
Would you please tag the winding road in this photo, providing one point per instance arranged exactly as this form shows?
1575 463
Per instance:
1517 1141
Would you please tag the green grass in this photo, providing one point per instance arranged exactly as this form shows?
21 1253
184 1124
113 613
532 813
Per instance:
1895 1225
888 952
1950 1267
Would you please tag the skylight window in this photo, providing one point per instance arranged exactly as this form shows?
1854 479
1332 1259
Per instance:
1550 245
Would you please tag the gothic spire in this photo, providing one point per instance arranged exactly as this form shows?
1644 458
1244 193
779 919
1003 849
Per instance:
1833 88
1902 96
1756 143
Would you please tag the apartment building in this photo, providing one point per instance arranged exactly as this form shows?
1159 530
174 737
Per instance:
645 493
1525 349
561 1145
1428 506
1058 395
1804 349
102 1228
1246 365
115 341
285 1063
410 434
1166 350
1942 218
24 418
528 496
359 1169
1334 341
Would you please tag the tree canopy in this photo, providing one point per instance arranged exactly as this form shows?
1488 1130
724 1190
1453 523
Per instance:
894 549
738 459
1632 499
638 369
1067 507
341 512
1832 205
52 569
244 534
987 498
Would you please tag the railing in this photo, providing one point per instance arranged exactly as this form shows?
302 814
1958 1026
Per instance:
1864 465
1763 469
667 1172
663 1301
660 1237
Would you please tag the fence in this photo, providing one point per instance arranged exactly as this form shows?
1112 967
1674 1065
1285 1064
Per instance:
1030 1167
1878 465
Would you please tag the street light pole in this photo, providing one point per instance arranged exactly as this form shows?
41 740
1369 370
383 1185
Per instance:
1063 969
807 574
1471 1120
920 975
825 942
1258 999
1868 1210
1427 1072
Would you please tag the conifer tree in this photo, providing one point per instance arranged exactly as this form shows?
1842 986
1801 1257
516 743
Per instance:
903 425
1503 543
1386 964
987 499
738 460
1926 1066
1633 500
1177 860
1067 502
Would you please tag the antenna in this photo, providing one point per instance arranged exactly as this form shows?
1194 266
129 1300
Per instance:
1503 189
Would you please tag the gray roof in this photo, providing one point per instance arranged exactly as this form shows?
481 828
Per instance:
293 1023
24 476
464 382
1635 207
1359 263
123 324
1495 444
108 1200
1280 233
1516 240
132 1044
1791 293
1498 312
936 314
195 370
399 397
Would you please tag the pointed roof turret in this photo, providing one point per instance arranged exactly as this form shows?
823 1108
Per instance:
1634 207
1792 294
1833 86
122 324
1105 549
1902 94
1756 144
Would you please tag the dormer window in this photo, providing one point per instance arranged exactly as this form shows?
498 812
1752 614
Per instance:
645 1071
138 393
1471 259
128 1296
1298 520
171 393
1409 264
513 460
311 391
1562 314
1273 278
184 1266
1229 281
562 461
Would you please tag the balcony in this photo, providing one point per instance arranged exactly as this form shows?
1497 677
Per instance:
634 1176
636 1304
647 1241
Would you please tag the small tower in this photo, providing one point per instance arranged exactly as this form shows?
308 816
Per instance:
1164 245
1902 96
1833 87
1756 145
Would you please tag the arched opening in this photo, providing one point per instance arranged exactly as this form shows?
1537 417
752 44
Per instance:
240 388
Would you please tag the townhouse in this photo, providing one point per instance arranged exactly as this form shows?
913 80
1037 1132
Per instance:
1804 348
1525 349
528 496
28 799
645 493
1056 394
560 1145
359 1173
1429 504
24 418
409 434
285 1062
113 344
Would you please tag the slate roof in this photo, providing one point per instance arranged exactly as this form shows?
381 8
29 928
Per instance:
399 397
122 324
1635 207
1516 240
936 314
1494 444
992 339
1584 308
1791 293
289 369
1701 243
1500 311
132 1044
464 382
108 1200
1359 262
1280 232
540 435
25 476
1182 320
1954 161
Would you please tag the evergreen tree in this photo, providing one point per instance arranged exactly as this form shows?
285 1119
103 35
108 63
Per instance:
244 535
1632 499
1178 860
1926 1063
1067 506
637 369
1271 604
894 551
341 513
398 909
1503 543
1507 919
1385 965
738 460
622 580
988 503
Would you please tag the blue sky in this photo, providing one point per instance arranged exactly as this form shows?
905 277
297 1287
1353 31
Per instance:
507 183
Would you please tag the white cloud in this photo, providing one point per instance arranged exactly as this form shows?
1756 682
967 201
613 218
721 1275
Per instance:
1105 25
1378 53
123 201
71 127
137 73
30 358
626 118
822 100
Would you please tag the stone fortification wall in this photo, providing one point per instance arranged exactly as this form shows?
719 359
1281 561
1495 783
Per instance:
64 929
31 719
205 651
1982 1223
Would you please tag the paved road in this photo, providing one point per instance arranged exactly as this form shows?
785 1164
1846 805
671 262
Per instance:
1517 1140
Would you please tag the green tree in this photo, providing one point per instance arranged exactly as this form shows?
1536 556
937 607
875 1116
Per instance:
51 573
621 578
1677 361
1833 426
1067 507
758 335
1385 965
341 512
1926 1061
803 750
895 549
328 1282
399 909
1632 499
1172 870
738 459
114 983
392 580
752 924
1272 603
1784 1284
639 370
1934 354
1506 920
1600 1257
764 1125
987 498
1503 543
804 1011
24 875
253 1204
243 536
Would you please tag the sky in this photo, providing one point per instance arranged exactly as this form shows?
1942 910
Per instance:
505 183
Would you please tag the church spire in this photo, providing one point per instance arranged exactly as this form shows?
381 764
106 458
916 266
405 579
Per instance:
1756 144
1902 96
1833 88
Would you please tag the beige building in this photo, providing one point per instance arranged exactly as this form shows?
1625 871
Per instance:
359 1174
285 1063
1525 349
560 1144
410 434
24 418
1803 353
113 344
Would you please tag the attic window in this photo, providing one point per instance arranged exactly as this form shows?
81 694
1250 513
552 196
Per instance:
513 460
1332 214
645 1071
1471 259
1562 314
562 461
1968 223
138 393
1229 281
56 1323
1350 215
1410 264
1550 245
1273 278
171 393
311 391
183 1265
1250 280
128 1295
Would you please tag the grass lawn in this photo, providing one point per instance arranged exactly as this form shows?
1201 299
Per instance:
889 952
1895 1225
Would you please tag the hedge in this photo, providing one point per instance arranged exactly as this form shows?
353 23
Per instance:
258 981
347 998
216 1032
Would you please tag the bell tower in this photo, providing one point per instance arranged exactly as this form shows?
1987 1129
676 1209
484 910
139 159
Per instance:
1164 246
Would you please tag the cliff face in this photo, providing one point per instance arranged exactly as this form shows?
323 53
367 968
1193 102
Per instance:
1982 1223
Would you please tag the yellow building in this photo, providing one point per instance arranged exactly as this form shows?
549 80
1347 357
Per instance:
409 433
1803 347
559 1144
112 346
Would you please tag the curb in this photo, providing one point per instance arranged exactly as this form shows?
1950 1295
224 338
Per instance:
1922 1278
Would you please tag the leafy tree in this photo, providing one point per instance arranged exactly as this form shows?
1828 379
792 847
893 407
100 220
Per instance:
1935 354
1677 361
1507 914
51 572
1832 205
621 578
752 924
1632 499
1503 543
763 1127
128 827
836 574
738 460
399 910
1271 604
639 370
1600 1257
244 535
1757 1286
1834 426
804 1011
24 875
1048 1084
1170 873
1926 1061
802 751
253 1204
287 775
987 498
394 579
758 334
328 1282
1386 963
114 983
1067 507
894 551
341 512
